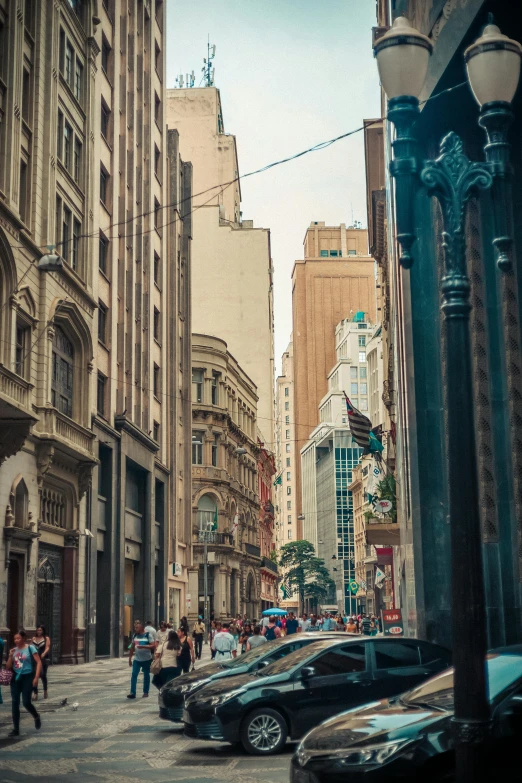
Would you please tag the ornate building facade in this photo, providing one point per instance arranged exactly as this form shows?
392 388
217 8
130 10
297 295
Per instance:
225 500
269 572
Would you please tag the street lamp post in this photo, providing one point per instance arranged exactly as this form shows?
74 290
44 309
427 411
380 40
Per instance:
493 65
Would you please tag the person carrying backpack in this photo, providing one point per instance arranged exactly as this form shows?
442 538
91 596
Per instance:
271 631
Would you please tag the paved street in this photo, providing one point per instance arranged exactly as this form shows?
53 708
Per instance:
112 738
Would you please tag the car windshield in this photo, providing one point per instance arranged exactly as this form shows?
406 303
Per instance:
253 655
503 670
294 659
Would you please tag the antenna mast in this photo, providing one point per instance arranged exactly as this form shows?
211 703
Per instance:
208 69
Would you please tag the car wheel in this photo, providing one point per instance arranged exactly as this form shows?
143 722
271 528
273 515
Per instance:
263 732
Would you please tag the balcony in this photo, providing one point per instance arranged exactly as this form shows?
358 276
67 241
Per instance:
16 415
73 438
252 549
381 531
14 391
269 564
214 538
208 473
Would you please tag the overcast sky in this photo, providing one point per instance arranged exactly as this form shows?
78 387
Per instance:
291 73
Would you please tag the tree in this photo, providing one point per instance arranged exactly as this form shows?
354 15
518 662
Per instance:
305 572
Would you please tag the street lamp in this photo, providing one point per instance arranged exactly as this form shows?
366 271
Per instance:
493 65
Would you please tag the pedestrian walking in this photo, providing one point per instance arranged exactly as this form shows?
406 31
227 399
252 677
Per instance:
26 666
142 648
184 624
224 644
42 642
197 635
215 626
314 626
271 631
186 656
256 640
162 633
329 624
245 635
305 622
292 624
351 626
168 653
365 625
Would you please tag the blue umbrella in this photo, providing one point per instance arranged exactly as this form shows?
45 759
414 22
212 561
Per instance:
277 612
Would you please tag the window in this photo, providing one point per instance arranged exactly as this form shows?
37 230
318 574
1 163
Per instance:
355 401
105 119
67 144
287 447
353 372
364 405
78 81
394 656
157 269
102 322
334 253
62 375
215 388
353 388
77 230
23 341
287 391
24 192
362 372
104 184
156 381
324 253
100 394
288 505
157 108
289 536
289 490
159 13
352 252
61 54
156 431
197 448
66 233
69 60
288 462
287 406
363 389
345 419
157 162
103 255
362 340
156 324
362 356
215 451
58 219
289 519
106 50
59 137
287 419
197 385
77 161
156 214
26 96
288 475
157 58
346 660
287 434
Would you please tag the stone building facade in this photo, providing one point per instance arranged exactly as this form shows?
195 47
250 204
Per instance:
225 499
85 473
269 570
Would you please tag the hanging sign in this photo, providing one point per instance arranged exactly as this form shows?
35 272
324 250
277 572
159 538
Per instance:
383 506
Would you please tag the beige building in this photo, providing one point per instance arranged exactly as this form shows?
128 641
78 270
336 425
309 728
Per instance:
334 281
86 350
225 500
232 266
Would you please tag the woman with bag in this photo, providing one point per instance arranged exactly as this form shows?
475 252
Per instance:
22 658
43 646
165 666
187 651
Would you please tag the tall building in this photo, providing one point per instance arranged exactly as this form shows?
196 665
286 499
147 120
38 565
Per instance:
232 267
225 500
269 570
85 352
335 280
286 519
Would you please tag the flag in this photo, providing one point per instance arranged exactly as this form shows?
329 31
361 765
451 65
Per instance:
354 586
380 576
279 480
236 523
375 444
360 425
215 522
364 584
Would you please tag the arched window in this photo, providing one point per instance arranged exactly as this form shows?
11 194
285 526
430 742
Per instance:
63 373
207 513
21 504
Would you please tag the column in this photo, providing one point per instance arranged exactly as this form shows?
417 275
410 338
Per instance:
192 591
237 583
69 594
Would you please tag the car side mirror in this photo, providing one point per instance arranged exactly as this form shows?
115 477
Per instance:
262 664
307 672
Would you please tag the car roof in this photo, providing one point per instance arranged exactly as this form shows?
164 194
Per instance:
512 649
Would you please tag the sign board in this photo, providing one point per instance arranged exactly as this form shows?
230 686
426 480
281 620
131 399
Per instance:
383 506
189 602
392 622
388 599
177 569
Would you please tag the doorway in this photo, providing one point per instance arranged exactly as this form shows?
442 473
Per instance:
15 600
49 596
128 603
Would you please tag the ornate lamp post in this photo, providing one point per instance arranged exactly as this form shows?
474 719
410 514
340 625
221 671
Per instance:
493 65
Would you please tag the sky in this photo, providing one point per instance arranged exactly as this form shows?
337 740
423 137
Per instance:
291 73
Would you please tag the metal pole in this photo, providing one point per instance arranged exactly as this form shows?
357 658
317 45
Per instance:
205 584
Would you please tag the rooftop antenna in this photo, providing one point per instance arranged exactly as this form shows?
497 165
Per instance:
208 70
351 207
185 81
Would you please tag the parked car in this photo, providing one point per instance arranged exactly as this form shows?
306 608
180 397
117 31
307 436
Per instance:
410 736
172 695
286 699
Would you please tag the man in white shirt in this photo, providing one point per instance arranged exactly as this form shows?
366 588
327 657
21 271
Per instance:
305 622
224 644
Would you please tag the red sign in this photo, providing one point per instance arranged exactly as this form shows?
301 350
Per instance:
392 622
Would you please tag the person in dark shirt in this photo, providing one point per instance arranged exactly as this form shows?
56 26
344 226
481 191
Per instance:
365 625
292 624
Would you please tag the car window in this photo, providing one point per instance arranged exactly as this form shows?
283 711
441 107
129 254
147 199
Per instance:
432 654
250 657
343 660
289 662
394 655
284 650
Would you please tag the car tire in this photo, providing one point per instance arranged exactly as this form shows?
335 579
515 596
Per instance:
263 732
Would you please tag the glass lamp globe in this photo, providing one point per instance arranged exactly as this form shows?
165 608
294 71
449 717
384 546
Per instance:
493 64
402 59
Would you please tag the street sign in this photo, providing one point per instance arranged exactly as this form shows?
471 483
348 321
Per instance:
392 622
383 506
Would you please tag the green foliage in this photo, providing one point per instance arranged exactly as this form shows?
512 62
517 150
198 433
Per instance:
306 573
273 556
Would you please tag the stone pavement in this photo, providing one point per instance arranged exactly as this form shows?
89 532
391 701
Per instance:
111 738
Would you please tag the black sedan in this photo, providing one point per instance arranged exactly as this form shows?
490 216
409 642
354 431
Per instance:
410 736
172 696
289 697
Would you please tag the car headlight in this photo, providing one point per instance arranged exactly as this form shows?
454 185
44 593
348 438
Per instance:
224 697
361 756
193 686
